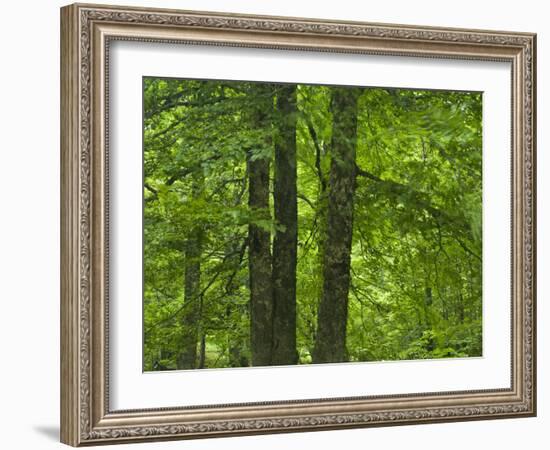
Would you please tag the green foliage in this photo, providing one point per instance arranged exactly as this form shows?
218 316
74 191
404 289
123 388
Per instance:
417 234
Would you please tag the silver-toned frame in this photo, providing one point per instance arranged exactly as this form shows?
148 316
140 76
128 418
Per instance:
86 31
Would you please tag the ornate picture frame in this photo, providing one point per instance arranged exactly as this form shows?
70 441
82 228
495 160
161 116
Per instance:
87 32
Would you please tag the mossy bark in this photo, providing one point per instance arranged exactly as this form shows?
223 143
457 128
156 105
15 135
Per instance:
330 345
286 235
191 315
259 246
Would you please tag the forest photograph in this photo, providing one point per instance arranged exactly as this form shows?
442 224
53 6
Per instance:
288 224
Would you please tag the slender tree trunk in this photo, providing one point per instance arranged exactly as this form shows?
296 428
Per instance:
259 250
201 363
238 343
238 339
190 320
202 354
285 240
319 227
330 345
428 300
461 309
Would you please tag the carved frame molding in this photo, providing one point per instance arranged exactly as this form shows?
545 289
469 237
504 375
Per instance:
86 31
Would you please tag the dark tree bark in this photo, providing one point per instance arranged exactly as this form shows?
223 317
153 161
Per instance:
461 309
239 339
190 320
319 224
202 354
201 335
330 345
238 343
428 300
259 246
285 240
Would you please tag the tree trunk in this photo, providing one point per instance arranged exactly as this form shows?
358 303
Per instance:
330 345
259 250
190 320
202 354
428 300
238 340
285 240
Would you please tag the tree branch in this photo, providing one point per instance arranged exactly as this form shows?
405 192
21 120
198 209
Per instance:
176 101
318 152
396 188
307 200
151 189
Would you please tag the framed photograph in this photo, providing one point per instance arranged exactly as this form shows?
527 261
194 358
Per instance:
274 224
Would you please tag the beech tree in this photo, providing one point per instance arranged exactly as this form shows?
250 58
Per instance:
192 306
330 343
285 238
259 236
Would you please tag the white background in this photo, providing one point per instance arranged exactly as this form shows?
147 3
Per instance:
29 229
132 389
